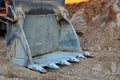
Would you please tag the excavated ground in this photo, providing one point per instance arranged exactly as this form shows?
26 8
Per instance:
98 32
96 23
105 65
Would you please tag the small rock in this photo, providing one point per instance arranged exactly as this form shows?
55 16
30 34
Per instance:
118 19
113 67
72 70
109 49
99 48
116 8
2 78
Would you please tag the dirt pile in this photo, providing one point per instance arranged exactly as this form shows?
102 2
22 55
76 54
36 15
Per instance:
97 23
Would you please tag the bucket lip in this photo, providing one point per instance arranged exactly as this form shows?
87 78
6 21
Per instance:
37 3
41 14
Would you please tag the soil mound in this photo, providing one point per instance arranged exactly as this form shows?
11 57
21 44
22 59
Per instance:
97 23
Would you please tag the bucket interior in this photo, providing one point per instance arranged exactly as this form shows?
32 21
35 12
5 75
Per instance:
42 33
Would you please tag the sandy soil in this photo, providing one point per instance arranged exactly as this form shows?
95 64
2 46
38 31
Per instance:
98 34
96 27
103 66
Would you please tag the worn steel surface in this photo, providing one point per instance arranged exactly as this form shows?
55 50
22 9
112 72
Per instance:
39 6
44 39
42 33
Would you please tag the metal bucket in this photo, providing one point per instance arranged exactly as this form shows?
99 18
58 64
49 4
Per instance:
49 40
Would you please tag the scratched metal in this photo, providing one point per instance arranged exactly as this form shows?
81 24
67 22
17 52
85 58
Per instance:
55 41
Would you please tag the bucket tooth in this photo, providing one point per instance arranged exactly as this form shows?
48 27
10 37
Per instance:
87 54
74 60
65 62
53 65
43 70
81 56
37 68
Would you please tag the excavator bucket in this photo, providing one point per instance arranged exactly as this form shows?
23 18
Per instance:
43 36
